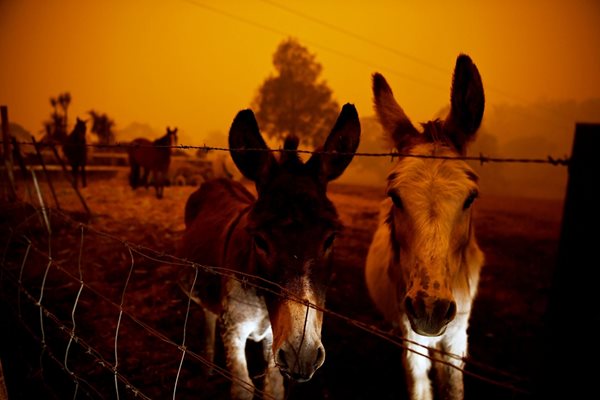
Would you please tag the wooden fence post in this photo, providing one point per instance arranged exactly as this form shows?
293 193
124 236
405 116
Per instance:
7 154
3 391
569 362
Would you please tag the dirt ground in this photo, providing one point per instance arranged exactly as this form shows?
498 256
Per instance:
519 237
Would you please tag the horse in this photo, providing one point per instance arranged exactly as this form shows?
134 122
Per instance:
281 241
152 157
423 265
75 150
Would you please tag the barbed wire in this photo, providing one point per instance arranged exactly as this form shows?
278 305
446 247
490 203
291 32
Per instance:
481 158
265 285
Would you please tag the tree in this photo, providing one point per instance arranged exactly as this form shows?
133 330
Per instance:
294 101
102 127
56 127
64 99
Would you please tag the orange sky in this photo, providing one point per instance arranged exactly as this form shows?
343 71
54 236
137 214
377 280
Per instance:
195 63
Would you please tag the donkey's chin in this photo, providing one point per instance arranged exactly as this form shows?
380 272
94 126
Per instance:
427 330
296 377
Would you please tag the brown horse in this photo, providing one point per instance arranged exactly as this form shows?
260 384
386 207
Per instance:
146 156
75 150
284 237
423 265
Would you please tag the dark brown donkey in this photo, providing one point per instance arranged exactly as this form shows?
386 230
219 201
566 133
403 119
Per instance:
75 150
146 156
283 239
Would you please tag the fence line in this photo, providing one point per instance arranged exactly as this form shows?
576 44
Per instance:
481 158
102 361
246 279
95 353
89 350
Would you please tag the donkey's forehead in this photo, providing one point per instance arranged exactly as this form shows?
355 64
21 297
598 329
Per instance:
293 199
415 172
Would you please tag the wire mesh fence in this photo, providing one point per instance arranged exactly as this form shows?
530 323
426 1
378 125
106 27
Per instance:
91 302
108 314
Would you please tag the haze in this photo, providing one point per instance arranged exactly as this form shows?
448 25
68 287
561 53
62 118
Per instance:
194 64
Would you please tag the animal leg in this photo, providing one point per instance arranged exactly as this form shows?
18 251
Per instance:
145 177
158 184
210 325
451 378
273 378
74 174
235 334
83 180
417 369
134 175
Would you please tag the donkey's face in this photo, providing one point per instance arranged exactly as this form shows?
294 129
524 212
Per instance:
172 134
80 127
430 201
293 226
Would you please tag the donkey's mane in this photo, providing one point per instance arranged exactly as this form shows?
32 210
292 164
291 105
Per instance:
289 156
434 131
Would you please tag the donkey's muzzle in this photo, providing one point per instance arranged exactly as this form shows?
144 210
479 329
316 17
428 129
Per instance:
301 365
429 317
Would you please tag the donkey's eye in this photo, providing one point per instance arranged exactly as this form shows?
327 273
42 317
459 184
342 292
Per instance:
328 242
396 199
261 244
472 196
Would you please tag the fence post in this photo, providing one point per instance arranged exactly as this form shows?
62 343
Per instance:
36 147
570 352
3 391
7 154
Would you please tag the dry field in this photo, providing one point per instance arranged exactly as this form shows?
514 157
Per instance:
519 237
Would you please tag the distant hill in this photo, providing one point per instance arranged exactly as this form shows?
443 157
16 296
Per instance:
142 130
20 133
135 130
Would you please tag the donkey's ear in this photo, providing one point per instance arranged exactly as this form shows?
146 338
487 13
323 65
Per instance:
343 139
248 149
391 116
467 103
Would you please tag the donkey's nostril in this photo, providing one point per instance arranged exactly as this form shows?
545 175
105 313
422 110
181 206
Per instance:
451 313
410 309
320 357
281 361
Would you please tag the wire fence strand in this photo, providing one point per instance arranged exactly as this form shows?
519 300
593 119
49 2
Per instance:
481 158
258 283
